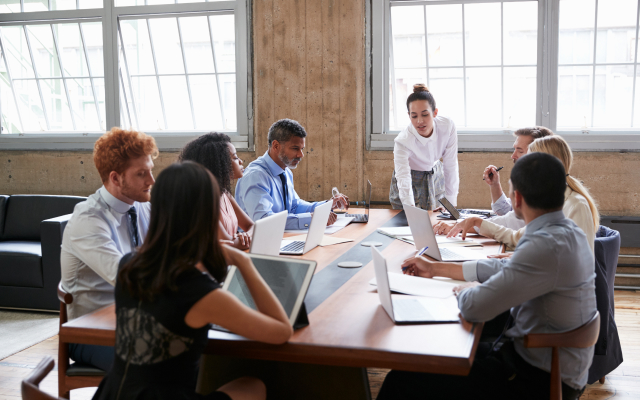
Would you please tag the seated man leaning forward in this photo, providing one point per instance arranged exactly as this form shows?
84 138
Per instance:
267 185
548 285
111 223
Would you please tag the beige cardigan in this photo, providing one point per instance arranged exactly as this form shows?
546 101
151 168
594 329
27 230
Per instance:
575 208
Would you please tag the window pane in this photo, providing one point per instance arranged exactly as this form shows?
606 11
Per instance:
636 110
166 41
84 107
224 42
70 46
44 52
206 102
519 97
147 99
408 37
197 44
92 32
90 4
30 106
17 52
228 92
137 47
574 96
98 83
483 89
447 87
520 33
577 19
176 102
404 81
36 5
444 30
616 31
56 105
62 4
10 117
612 97
10 6
482 30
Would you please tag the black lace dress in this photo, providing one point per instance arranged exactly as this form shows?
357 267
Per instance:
157 354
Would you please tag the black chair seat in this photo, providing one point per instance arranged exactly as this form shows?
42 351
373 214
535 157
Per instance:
77 369
21 264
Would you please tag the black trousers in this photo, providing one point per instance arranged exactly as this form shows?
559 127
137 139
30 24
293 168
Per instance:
502 375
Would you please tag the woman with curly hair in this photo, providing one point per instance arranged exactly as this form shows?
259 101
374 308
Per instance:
216 153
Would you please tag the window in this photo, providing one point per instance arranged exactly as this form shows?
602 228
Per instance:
495 66
168 68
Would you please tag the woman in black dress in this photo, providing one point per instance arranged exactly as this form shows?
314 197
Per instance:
166 297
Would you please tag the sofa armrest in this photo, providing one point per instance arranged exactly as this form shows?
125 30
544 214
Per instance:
51 231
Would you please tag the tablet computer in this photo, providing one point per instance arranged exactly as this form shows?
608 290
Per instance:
288 278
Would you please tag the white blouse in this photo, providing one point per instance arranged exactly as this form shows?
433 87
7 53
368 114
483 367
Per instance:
414 152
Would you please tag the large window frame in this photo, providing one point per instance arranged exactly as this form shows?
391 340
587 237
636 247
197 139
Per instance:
379 137
110 15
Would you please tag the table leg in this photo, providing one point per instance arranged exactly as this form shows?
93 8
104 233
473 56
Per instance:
286 380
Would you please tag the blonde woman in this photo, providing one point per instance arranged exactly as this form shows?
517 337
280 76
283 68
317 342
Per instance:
578 203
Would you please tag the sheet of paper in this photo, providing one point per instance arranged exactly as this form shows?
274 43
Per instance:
340 223
417 286
395 231
326 240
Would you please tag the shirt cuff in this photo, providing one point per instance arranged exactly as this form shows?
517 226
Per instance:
470 271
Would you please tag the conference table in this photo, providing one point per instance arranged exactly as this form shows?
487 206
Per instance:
348 329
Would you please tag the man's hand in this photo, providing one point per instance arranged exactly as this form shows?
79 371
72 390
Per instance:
458 289
332 218
465 226
491 179
341 201
442 228
418 266
501 255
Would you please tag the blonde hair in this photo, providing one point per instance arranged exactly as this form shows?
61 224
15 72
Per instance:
558 147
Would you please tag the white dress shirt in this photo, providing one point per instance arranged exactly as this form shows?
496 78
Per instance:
94 241
414 152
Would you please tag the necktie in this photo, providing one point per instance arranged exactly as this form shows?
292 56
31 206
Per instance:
283 178
132 217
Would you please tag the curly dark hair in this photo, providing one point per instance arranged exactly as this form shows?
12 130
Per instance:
212 151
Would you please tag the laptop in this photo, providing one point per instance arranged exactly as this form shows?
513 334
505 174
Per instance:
267 234
411 309
456 214
314 237
423 235
288 278
363 218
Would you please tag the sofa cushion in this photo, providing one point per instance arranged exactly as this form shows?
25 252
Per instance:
3 206
25 212
21 264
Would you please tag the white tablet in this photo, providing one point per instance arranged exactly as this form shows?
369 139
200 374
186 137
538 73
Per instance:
289 279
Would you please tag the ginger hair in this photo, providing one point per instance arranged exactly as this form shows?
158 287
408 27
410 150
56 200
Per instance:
114 150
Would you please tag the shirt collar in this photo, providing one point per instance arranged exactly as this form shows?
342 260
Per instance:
113 203
273 167
421 139
544 219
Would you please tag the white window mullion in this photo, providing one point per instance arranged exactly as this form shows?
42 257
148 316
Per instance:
35 73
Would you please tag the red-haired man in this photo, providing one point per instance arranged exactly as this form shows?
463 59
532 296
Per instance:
111 223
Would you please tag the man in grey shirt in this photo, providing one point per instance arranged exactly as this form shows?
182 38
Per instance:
549 285
111 223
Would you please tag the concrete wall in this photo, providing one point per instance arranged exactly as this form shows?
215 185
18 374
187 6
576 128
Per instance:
309 65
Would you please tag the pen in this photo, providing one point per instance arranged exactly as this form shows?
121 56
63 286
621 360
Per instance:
421 252
491 173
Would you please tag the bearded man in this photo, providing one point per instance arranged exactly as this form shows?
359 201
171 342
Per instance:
267 185
109 224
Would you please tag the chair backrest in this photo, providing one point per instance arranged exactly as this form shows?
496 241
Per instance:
24 213
30 385
582 337
65 298
606 252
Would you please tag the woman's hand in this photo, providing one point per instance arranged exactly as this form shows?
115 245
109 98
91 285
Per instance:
442 228
418 266
234 256
242 240
465 226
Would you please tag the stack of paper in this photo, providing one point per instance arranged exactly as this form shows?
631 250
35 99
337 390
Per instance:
396 231
340 223
417 286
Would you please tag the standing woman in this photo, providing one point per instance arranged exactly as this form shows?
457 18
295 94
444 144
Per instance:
419 178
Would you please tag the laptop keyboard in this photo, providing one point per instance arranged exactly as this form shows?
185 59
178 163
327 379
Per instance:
408 309
358 217
476 212
448 254
293 247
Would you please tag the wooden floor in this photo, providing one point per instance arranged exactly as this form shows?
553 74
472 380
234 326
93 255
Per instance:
623 383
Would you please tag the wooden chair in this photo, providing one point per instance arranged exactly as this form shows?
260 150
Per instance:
72 376
30 389
584 336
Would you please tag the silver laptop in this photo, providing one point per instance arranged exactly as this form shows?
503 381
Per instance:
267 234
411 309
363 218
314 237
423 235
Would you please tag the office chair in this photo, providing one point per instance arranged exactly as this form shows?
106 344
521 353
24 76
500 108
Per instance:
30 389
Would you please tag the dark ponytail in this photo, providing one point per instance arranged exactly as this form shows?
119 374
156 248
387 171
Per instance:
421 92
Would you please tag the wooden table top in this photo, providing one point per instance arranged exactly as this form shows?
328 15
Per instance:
349 328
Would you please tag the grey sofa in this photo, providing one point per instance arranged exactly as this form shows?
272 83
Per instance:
31 229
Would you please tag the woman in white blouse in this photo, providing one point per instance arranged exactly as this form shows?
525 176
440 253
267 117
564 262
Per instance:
419 178
578 203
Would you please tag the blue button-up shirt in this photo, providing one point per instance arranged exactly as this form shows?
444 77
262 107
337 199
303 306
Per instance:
259 194
549 284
